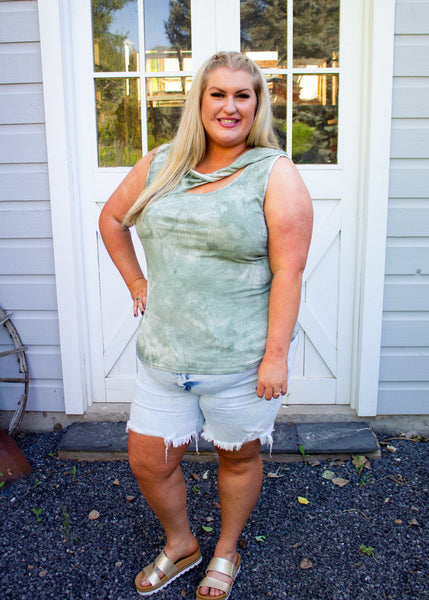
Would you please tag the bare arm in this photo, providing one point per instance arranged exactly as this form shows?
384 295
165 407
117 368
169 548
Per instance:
117 237
289 218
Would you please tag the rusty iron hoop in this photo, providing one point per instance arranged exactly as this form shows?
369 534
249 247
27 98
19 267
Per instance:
19 350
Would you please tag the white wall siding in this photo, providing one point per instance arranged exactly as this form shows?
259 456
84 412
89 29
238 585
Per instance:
27 276
404 366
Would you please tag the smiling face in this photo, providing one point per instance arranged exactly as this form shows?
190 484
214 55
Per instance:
228 107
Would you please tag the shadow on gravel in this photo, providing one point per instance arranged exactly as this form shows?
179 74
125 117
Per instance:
347 530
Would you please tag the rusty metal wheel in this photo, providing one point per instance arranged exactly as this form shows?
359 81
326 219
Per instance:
12 342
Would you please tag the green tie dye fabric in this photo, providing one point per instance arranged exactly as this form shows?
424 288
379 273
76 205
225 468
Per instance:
209 276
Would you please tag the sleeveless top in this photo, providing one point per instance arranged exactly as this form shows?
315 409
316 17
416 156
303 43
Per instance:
209 275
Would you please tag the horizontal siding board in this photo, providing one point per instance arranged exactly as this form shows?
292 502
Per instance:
25 223
24 182
25 295
404 401
406 221
20 63
400 330
409 180
412 17
401 295
410 98
21 103
410 138
31 324
404 366
23 144
27 260
19 22
410 57
408 258
44 362
43 395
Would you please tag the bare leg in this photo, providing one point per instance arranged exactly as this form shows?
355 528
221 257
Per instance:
239 483
163 487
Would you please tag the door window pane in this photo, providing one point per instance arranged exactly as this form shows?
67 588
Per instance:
165 97
304 102
277 84
118 122
263 32
316 33
315 119
168 35
115 35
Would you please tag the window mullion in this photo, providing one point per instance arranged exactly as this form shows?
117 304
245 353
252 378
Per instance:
289 101
142 69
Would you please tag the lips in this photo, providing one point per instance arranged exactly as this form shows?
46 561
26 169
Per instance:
229 121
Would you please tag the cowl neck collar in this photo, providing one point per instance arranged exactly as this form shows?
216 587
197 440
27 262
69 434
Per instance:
194 178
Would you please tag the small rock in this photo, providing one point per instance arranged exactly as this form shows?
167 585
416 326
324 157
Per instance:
398 521
130 498
118 564
93 515
243 544
43 573
306 564
414 509
115 482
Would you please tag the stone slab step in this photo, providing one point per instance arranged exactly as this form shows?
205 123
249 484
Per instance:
292 442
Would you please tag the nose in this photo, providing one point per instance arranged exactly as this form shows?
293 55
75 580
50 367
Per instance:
229 104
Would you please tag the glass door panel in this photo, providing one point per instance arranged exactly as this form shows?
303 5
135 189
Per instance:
296 44
137 110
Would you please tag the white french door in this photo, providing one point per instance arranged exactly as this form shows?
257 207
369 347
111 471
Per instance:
131 75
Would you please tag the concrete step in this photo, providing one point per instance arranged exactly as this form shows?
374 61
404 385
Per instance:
292 442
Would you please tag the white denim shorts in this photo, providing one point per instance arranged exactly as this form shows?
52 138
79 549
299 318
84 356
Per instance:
223 408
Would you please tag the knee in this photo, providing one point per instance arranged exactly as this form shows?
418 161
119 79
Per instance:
243 460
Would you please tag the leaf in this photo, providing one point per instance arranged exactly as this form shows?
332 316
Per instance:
391 448
413 522
361 462
195 476
302 500
206 474
313 462
340 481
274 475
261 538
207 529
328 474
306 564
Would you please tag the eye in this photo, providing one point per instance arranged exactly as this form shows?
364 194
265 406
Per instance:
216 94
243 95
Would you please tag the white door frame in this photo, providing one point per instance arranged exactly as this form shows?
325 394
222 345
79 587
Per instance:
55 18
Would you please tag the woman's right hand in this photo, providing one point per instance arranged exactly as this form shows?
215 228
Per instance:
138 290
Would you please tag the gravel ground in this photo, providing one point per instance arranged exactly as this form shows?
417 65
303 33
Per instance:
365 540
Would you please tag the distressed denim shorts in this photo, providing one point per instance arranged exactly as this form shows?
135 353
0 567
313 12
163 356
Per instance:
223 408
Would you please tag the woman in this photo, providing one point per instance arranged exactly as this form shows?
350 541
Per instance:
225 221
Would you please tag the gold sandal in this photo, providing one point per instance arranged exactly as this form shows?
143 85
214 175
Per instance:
169 569
221 565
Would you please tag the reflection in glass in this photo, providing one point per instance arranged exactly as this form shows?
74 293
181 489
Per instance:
263 31
315 119
115 35
118 122
165 99
168 35
316 33
278 88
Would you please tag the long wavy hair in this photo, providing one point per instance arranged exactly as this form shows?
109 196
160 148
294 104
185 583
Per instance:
189 145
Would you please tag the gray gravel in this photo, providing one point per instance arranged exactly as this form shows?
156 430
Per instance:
61 553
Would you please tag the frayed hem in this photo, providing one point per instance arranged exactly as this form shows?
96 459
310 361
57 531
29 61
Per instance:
266 439
181 441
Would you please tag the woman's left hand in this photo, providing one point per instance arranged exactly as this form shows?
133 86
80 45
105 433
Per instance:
272 378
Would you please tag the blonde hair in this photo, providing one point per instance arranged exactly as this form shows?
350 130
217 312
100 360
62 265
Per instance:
189 145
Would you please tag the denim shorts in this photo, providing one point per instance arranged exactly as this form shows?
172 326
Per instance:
223 408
